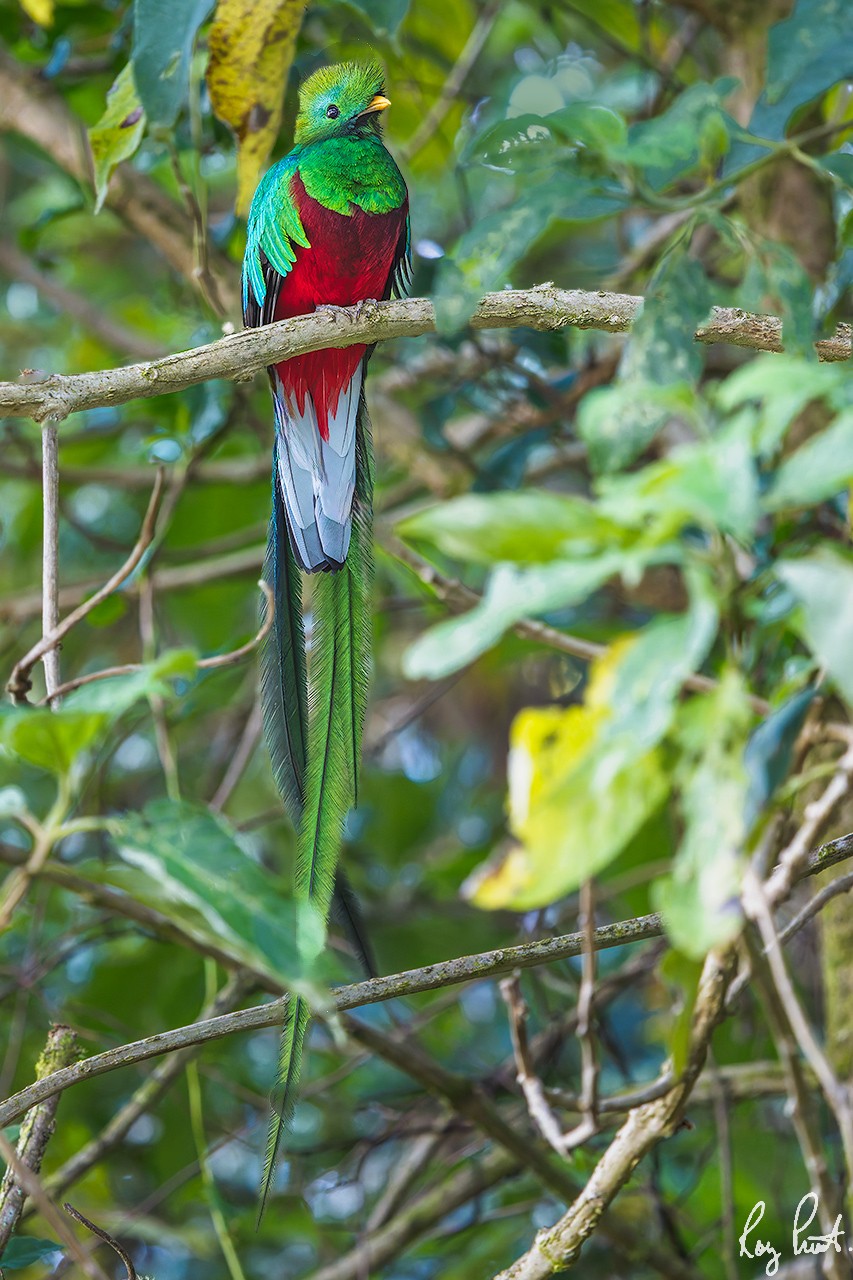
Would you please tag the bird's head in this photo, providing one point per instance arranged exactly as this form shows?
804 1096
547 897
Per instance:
341 101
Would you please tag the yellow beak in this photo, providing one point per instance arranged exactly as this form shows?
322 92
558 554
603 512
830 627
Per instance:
377 103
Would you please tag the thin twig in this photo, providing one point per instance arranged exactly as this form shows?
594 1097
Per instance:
50 557
240 355
445 973
816 904
19 682
153 1087
130 1270
457 596
48 1210
147 631
471 51
757 907
204 664
531 1085
245 747
799 1091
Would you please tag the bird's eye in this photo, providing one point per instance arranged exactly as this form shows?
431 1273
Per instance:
332 112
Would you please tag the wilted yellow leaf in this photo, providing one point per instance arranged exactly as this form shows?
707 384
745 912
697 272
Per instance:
251 49
41 11
118 132
576 797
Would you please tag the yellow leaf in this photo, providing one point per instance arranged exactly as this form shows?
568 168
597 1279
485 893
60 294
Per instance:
41 11
251 50
577 796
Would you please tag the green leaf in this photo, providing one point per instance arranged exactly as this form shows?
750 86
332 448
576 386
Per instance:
714 485
768 753
781 386
486 253
694 132
700 901
50 740
648 680
597 127
118 133
683 974
523 527
53 740
164 33
818 470
823 585
189 865
810 50
661 363
23 1251
617 423
381 15
511 594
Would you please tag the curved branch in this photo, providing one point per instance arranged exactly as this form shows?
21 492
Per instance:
242 354
447 973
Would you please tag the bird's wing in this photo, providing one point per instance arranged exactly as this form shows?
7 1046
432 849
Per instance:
400 277
273 233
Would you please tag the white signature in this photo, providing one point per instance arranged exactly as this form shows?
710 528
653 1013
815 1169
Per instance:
751 1247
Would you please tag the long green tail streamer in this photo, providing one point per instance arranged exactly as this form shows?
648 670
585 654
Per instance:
338 682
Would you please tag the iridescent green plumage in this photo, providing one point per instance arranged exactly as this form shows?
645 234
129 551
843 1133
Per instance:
328 224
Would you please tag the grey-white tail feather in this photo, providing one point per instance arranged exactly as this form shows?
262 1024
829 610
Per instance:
317 476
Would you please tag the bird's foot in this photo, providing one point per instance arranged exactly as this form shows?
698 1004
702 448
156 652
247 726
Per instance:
364 309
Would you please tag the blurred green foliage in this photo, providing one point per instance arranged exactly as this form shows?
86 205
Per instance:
685 508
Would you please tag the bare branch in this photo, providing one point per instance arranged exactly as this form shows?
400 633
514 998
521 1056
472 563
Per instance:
446 973
31 107
34 1189
36 1131
130 1270
50 559
239 355
229 659
19 681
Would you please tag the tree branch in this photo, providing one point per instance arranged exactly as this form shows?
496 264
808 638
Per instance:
36 1131
242 354
30 107
446 973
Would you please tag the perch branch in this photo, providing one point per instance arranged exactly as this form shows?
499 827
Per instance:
239 355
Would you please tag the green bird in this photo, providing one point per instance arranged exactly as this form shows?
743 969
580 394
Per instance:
329 225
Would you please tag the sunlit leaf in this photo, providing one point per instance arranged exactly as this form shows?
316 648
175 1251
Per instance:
714 485
41 11
252 43
574 800
118 133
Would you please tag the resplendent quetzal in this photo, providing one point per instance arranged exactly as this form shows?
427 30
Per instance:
329 225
